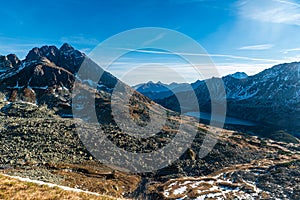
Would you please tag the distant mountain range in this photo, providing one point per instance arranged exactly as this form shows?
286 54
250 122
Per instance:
160 90
270 98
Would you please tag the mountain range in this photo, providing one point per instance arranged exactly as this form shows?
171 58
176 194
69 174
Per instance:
269 98
40 140
160 90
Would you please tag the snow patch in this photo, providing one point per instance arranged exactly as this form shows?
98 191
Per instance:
180 190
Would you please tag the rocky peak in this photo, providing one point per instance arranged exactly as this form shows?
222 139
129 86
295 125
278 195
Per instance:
4 62
70 58
34 54
66 56
149 86
239 75
9 61
66 47
49 52
14 60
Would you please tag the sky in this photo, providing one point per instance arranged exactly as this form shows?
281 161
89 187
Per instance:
238 35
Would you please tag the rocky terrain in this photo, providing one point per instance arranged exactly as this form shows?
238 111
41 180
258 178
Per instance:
40 141
258 180
41 145
261 178
47 148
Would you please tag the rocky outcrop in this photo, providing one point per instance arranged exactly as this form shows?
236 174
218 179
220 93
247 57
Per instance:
66 57
46 76
9 61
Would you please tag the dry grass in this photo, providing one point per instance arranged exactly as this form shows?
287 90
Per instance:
89 176
13 189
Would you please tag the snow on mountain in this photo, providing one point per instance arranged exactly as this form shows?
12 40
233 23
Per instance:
239 75
269 97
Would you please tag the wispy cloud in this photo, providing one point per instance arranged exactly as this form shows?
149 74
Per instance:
288 3
162 69
274 11
158 37
156 72
135 73
17 46
205 55
257 47
286 51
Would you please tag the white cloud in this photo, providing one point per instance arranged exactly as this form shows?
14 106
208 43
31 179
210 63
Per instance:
257 47
286 51
244 58
288 3
205 55
250 69
156 72
293 58
16 46
273 11
158 37
134 73
161 70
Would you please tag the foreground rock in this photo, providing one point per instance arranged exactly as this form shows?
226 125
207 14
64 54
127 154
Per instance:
42 146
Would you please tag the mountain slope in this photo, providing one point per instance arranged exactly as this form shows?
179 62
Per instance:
270 98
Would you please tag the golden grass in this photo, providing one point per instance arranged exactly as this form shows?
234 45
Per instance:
13 189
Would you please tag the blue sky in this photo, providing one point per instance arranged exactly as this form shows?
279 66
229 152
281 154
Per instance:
239 35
